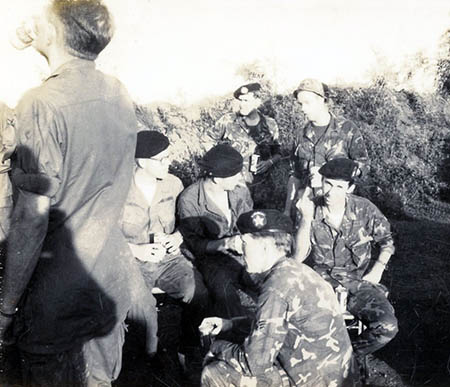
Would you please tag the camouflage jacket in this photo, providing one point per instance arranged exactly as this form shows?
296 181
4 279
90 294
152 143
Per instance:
261 139
299 331
344 254
341 139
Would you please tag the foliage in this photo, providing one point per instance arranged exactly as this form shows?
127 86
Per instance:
406 135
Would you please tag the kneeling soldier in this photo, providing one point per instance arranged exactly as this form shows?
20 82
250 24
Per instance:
299 336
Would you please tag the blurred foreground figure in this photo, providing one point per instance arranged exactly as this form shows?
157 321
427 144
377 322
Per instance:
325 137
7 147
66 276
298 337
337 231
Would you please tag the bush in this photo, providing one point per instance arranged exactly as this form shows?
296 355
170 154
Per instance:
407 137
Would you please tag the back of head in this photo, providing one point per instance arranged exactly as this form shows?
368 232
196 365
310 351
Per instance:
87 24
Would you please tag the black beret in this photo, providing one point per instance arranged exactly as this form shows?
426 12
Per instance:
340 169
222 161
245 89
264 220
149 143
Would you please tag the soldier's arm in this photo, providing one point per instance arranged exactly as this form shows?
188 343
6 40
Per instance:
381 233
26 236
259 351
303 236
358 151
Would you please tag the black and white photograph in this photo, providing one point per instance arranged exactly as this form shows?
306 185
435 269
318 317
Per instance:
225 193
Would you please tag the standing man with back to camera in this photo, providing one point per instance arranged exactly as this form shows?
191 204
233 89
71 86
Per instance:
324 138
66 281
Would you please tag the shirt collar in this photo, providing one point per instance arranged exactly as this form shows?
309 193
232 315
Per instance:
72 64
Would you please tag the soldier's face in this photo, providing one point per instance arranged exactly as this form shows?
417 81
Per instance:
311 104
253 253
248 103
43 31
158 165
335 191
229 183
260 254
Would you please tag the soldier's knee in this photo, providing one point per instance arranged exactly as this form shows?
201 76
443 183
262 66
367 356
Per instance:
388 328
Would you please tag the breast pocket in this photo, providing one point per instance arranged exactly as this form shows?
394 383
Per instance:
166 214
359 243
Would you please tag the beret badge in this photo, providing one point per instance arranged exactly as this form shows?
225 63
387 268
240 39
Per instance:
259 219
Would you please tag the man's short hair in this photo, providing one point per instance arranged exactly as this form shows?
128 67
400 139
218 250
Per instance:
88 26
283 241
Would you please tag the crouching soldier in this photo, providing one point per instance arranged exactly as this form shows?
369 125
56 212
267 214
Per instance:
337 230
299 336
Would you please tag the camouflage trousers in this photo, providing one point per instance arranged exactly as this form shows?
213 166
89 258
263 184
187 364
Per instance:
220 374
368 302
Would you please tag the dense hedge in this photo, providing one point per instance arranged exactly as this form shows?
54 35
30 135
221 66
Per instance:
407 137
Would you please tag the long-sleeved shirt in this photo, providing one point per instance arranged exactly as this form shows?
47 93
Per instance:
202 221
341 139
298 329
345 253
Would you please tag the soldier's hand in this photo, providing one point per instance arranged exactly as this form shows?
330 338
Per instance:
214 325
171 242
234 244
263 166
305 204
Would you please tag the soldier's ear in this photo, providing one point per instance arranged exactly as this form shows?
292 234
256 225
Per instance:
351 188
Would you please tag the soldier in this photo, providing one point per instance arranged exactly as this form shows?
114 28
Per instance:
66 280
148 223
337 230
208 212
251 133
299 336
324 138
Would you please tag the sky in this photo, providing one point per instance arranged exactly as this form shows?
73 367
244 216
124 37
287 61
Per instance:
182 51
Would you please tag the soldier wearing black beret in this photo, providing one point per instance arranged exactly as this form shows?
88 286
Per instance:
337 234
208 211
297 314
252 134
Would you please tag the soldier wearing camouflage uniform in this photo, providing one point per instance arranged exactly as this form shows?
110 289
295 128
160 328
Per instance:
299 337
336 231
324 138
250 132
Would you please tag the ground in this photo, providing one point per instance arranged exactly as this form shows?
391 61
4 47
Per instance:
419 281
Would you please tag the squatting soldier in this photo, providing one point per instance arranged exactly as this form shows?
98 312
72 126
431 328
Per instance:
337 230
299 337
324 138
251 133
208 212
